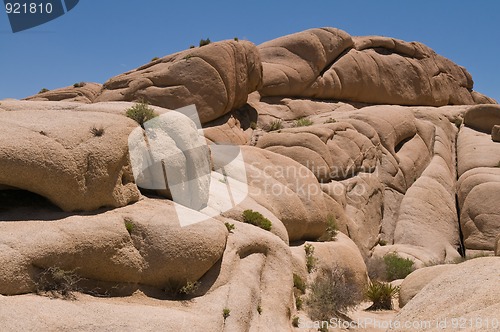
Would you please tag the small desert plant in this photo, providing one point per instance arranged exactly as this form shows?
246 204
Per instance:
141 113
381 294
382 242
79 85
397 267
302 122
332 293
189 288
229 226
129 224
295 321
58 283
259 309
236 39
43 90
155 58
187 57
310 259
192 46
181 289
204 42
257 219
226 313
299 283
458 122
97 132
298 302
330 120
331 229
253 125
275 125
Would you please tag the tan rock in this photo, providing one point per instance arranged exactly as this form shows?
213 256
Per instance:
155 252
473 284
55 154
217 78
82 93
287 189
495 133
326 64
418 279
228 133
483 117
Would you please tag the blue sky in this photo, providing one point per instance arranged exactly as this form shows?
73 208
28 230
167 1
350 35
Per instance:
99 39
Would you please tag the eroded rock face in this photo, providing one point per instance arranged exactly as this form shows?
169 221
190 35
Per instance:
217 78
80 92
64 156
479 182
330 64
473 284
156 250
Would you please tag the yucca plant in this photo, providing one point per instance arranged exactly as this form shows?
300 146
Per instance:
381 294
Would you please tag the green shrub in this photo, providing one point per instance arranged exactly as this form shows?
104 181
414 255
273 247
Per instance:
129 224
229 226
310 259
332 294
204 42
191 46
43 90
181 289
298 302
57 283
226 313
458 122
331 229
275 125
381 294
79 85
397 267
299 284
155 58
257 219
236 39
302 122
97 132
187 57
295 321
141 113
253 125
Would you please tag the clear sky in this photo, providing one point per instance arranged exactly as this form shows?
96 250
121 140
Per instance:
99 39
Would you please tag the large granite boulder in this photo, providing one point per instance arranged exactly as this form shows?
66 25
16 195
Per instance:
328 63
217 78
78 160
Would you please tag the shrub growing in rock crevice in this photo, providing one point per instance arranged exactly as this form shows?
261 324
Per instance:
57 283
141 113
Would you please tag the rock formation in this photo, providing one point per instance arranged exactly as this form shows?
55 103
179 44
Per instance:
382 140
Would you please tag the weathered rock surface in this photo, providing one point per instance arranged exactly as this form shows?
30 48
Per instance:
80 92
157 250
418 279
330 64
54 153
479 182
386 174
467 293
217 78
